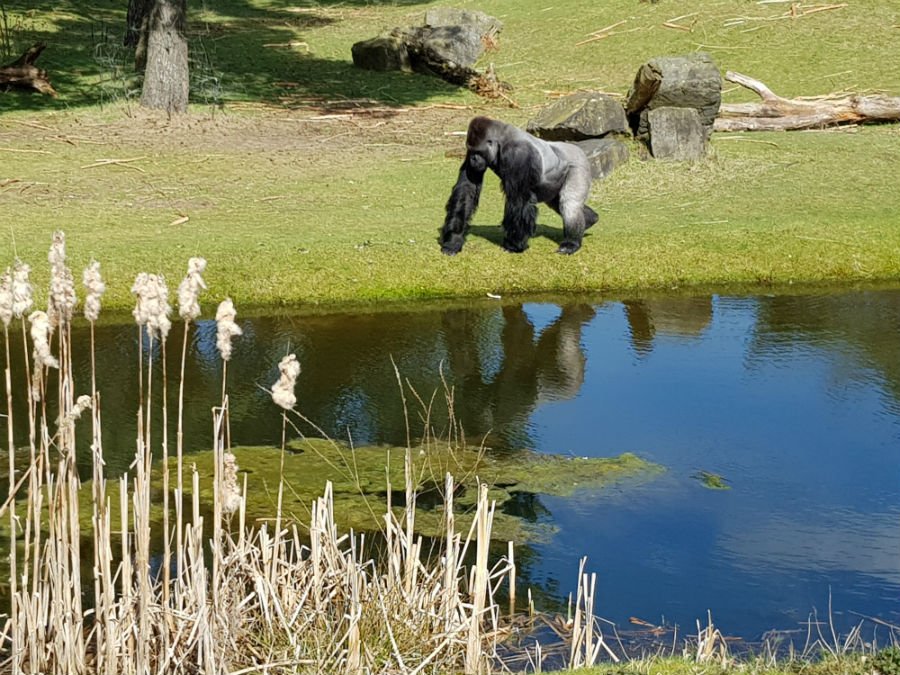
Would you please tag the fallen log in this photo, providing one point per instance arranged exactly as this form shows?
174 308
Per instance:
23 74
775 113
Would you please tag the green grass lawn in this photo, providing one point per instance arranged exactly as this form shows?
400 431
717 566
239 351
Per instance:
307 181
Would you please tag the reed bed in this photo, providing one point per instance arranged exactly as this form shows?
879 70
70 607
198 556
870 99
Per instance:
221 596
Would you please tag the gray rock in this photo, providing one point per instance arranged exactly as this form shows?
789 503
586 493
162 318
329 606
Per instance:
579 116
385 52
676 133
451 16
447 46
456 45
675 81
604 154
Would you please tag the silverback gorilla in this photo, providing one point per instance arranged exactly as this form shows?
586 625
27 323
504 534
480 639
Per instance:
531 170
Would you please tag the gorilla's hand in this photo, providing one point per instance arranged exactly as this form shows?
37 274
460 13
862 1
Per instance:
477 162
568 247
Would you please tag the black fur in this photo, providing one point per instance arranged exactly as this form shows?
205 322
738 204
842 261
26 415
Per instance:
531 170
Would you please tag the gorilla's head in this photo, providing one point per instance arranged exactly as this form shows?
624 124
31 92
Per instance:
482 143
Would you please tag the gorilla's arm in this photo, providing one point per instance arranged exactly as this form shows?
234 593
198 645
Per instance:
520 173
462 204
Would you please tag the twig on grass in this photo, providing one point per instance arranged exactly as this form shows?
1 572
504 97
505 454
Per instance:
116 162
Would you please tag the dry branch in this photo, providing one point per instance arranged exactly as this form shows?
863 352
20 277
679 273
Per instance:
775 113
23 74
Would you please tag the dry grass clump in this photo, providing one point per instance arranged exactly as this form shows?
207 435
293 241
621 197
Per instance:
220 597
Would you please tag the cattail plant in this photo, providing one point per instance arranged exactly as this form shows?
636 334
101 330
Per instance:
104 588
284 397
189 310
151 313
282 602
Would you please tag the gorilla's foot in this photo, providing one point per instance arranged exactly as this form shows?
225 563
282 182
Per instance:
511 247
568 247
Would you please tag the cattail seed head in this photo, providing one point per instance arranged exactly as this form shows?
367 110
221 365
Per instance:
6 298
43 358
93 282
40 337
283 389
23 293
189 290
226 328
68 420
61 303
152 309
231 493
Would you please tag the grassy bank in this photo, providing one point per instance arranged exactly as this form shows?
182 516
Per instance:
307 181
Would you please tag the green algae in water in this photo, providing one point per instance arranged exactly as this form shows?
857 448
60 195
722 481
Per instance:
712 481
360 478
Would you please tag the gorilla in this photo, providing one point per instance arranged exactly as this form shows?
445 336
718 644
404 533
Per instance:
531 170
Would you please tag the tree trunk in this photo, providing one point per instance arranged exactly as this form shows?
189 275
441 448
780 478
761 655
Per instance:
166 77
775 113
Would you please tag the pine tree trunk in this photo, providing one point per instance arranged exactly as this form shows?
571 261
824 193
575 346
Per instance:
166 77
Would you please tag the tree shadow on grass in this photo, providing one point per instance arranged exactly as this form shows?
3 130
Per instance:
241 50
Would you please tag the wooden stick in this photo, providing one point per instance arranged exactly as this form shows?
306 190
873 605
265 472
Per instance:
117 162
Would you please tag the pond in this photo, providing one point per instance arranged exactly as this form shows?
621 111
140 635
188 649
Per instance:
789 403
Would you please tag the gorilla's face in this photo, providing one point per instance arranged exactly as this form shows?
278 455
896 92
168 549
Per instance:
482 144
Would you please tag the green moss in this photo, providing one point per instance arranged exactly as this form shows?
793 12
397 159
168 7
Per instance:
711 480
360 478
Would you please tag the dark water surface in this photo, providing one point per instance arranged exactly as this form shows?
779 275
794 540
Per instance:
795 400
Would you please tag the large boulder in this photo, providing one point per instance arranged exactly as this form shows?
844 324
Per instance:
385 52
579 116
457 45
676 133
604 154
451 16
675 82
447 46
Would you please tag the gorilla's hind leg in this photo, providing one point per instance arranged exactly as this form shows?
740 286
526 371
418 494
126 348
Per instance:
590 217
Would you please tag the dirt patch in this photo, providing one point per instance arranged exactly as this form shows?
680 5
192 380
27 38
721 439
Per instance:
325 132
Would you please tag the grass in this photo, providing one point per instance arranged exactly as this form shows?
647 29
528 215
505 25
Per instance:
346 209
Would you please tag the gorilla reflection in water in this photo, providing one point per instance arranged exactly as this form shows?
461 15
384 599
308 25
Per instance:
495 391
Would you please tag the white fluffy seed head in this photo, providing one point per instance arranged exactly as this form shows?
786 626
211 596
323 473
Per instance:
189 290
93 283
82 404
23 293
6 298
40 337
226 328
283 389
231 493
152 308
62 299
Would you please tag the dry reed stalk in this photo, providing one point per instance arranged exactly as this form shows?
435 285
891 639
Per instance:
484 515
6 316
511 557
